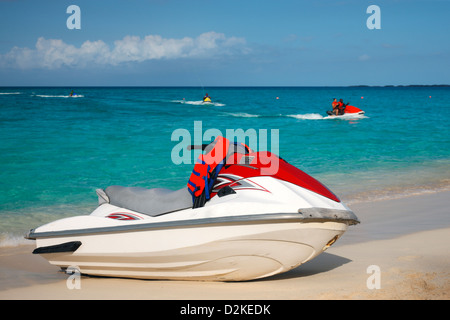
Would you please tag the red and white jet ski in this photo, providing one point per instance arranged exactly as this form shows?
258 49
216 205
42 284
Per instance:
348 111
236 220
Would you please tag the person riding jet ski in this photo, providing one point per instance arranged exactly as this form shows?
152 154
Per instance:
339 110
206 98
334 105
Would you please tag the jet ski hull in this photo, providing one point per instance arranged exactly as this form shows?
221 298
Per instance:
220 251
346 116
349 112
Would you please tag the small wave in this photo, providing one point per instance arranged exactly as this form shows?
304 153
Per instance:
59 96
395 192
306 116
200 103
347 117
10 92
12 240
244 115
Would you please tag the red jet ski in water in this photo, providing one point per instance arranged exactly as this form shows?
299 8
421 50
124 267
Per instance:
347 111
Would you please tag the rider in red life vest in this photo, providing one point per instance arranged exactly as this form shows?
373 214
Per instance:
340 107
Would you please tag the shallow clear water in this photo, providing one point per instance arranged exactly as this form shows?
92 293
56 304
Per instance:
56 150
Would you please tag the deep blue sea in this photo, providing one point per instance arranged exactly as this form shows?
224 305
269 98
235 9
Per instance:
56 150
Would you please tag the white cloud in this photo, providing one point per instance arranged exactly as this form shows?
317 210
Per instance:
55 53
364 57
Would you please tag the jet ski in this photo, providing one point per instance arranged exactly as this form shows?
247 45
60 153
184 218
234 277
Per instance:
347 111
235 220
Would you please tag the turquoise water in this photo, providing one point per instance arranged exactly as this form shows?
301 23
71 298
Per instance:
56 150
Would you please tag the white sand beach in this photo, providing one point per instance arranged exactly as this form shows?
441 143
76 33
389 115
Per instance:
399 251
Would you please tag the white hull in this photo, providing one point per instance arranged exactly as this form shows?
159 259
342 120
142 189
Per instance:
356 115
222 253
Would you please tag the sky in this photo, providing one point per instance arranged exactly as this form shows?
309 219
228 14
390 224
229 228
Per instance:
224 43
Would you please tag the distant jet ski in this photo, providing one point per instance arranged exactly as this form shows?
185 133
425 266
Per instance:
207 99
347 111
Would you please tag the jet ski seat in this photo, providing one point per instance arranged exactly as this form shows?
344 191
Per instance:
158 201
152 202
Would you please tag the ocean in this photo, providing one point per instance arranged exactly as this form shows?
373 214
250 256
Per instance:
56 150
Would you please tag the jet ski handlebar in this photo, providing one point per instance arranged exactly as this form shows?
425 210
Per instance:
236 147
197 147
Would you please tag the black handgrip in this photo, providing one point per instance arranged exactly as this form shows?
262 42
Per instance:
197 147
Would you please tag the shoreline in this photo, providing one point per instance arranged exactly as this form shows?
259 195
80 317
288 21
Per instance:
406 238
387 193
395 192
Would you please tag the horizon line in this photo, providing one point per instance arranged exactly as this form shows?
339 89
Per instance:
226 86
